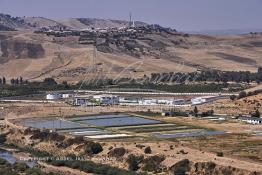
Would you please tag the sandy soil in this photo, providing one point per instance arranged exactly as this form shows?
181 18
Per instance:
241 106
19 110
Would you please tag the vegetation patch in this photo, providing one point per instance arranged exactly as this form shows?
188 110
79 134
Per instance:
91 167
93 148
153 164
117 152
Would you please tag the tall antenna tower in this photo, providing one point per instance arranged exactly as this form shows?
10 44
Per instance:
130 19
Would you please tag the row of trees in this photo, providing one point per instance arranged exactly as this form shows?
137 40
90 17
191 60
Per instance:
3 80
13 81
208 75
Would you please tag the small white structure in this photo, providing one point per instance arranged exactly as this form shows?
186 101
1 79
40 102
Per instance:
204 99
53 96
147 102
67 95
80 101
165 102
251 120
198 100
128 100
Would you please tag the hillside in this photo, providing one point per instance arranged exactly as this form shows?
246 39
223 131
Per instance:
83 23
8 22
120 53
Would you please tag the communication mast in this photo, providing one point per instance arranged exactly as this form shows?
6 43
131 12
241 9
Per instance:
130 19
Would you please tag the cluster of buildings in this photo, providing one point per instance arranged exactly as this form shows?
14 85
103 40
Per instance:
250 120
116 100
109 99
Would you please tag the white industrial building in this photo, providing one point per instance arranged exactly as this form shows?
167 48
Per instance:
53 96
106 99
198 100
147 102
126 100
165 102
205 99
151 101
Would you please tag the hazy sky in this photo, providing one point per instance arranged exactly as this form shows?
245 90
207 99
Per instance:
179 14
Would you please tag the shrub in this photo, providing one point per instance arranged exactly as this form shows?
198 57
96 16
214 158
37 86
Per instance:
94 168
46 135
148 150
117 152
232 97
256 114
210 165
3 161
36 171
20 167
153 164
140 146
93 148
2 138
181 167
242 94
134 161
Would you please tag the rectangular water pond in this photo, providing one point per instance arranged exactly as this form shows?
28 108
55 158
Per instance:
84 131
77 130
90 132
189 134
94 117
51 124
120 121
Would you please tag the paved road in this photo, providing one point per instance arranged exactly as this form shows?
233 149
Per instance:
30 101
156 93
258 87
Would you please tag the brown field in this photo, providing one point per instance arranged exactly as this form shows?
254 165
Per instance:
65 59
240 106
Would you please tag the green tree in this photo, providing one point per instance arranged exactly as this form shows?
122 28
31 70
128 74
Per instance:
65 84
148 150
49 81
195 111
256 114
21 80
12 81
232 97
242 94
4 81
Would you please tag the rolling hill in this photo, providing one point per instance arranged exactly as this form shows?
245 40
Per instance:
36 56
